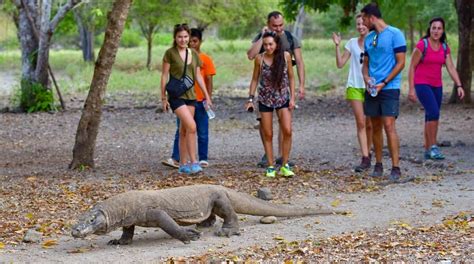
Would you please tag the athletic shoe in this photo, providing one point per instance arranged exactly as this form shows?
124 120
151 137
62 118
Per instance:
186 169
285 171
364 165
427 154
395 175
195 168
279 162
203 163
263 162
270 172
435 153
378 170
171 163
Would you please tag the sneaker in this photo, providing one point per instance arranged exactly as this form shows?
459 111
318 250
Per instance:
395 175
364 165
279 162
186 169
203 163
427 154
435 153
171 163
285 171
195 168
263 162
378 170
270 172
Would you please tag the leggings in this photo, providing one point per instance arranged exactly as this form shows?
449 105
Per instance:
430 97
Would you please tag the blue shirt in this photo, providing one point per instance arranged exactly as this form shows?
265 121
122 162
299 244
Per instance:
381 49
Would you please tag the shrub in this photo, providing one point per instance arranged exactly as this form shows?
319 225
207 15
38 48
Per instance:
34 97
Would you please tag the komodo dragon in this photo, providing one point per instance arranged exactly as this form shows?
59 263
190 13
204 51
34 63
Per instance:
169 209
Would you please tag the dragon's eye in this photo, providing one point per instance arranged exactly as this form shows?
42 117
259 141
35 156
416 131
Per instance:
92 220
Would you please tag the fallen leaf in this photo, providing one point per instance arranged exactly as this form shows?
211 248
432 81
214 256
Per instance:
336 203
78 250
2 246
50 243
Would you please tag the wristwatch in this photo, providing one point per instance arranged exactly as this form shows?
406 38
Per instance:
250 100
385 82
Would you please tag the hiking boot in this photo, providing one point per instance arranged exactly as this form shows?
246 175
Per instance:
286 171
435 153
263 162
195 168
279 162
186 169
378 170
364 165
395 174
270 172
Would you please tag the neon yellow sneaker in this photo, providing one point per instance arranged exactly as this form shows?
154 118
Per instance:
285 171
270 173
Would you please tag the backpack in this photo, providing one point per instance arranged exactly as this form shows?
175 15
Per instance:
289 37
425 47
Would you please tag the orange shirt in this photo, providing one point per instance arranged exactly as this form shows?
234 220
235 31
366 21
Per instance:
207 69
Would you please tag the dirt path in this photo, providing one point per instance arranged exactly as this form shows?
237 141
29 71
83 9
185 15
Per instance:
133 141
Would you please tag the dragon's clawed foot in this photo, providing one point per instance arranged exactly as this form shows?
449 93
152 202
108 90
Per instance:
120 242
228 231
190 234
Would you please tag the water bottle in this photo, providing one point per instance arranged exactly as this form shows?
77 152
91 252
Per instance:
210 113
372 88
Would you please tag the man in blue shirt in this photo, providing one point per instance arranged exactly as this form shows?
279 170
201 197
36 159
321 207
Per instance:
384 59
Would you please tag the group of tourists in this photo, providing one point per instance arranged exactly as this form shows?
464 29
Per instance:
376 56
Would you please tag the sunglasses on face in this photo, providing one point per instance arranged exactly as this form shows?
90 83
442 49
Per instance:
361 60
374 41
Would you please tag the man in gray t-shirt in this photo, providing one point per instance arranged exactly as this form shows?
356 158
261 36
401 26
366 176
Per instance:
291 44
275 23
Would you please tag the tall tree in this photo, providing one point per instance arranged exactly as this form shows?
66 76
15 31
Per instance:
465 10
150 15
35 28
88 128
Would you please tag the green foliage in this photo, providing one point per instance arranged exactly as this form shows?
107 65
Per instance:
34 97
130 38
162 39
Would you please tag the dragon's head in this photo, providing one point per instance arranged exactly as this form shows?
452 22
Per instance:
91 222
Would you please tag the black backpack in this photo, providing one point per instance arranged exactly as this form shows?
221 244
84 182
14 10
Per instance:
289 37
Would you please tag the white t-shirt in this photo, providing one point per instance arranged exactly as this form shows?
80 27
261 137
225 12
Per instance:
355 78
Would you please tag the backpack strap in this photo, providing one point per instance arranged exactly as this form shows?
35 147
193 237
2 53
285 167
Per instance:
445 49
290 39
425 47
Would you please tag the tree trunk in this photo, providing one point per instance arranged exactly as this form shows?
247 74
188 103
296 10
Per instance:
28 43
149 40
88 128
411 31
86 35
45 33
465 10
298 27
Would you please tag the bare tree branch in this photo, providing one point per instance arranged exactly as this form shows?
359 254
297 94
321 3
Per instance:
62 13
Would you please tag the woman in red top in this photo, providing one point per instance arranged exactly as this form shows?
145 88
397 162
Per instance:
425 78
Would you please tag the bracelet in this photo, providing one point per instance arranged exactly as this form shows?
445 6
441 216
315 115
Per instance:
458 85
385 82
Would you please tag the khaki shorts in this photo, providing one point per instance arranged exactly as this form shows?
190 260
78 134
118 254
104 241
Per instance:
355 94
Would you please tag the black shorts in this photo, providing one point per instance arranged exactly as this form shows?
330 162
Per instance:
264 108
175 103
386 103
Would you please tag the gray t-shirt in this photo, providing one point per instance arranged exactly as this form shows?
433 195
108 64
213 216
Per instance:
285 42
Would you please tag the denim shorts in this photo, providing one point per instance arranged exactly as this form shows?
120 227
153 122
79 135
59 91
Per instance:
264 108
386 103
175 103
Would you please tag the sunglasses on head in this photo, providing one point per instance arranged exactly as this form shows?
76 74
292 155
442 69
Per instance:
374 41
361 60
180 25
